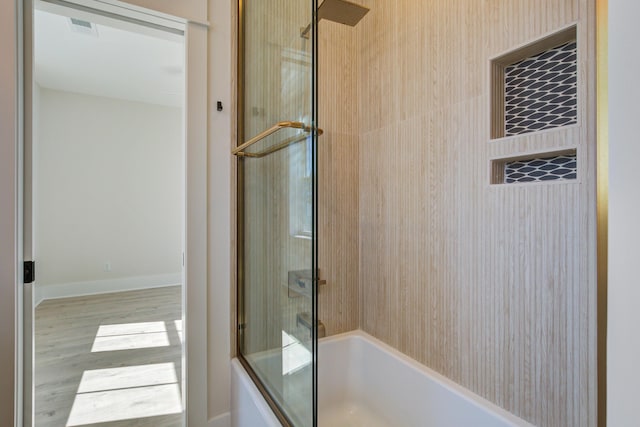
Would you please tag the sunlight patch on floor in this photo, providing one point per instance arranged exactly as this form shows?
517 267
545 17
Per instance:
128 336
295 355
127 377
106 395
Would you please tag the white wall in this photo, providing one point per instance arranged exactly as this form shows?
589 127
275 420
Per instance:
623 349
108 189
219 304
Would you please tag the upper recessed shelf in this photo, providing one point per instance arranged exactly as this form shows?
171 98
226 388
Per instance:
535 87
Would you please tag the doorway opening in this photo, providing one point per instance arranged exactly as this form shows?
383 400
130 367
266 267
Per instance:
107 219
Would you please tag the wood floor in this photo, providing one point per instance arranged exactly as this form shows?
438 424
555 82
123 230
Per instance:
109 360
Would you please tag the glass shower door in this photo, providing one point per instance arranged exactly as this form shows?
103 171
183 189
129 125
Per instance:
277 268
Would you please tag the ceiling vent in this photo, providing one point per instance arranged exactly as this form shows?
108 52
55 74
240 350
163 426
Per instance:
83 27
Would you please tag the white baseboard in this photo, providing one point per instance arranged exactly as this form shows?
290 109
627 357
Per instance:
223 420
96 287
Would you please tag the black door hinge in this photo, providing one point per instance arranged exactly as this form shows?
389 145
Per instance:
29 271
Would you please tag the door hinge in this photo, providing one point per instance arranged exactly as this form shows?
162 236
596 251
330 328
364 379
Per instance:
29 274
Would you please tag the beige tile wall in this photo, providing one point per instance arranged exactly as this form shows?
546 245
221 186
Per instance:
338 177
492 286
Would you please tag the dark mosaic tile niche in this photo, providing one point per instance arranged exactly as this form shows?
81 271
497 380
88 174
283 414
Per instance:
560 167
541 91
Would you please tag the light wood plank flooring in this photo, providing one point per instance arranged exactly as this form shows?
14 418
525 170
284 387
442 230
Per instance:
109 360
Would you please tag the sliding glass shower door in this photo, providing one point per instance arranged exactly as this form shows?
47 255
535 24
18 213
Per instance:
277 268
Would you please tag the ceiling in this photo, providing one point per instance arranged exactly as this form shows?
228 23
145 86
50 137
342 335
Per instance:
130 62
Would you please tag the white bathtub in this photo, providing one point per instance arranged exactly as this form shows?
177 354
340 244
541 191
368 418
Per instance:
364 382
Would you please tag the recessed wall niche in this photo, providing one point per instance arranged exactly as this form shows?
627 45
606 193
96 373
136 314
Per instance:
535 87
540 167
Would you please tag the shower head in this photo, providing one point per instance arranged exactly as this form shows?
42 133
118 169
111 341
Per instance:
342 11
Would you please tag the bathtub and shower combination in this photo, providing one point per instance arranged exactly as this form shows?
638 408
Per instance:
286 373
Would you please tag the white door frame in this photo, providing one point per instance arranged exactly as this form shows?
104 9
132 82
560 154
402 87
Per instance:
10 214
12 117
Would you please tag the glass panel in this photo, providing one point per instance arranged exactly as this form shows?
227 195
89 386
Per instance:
277 297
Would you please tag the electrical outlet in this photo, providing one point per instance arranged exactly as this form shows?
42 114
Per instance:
107 266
